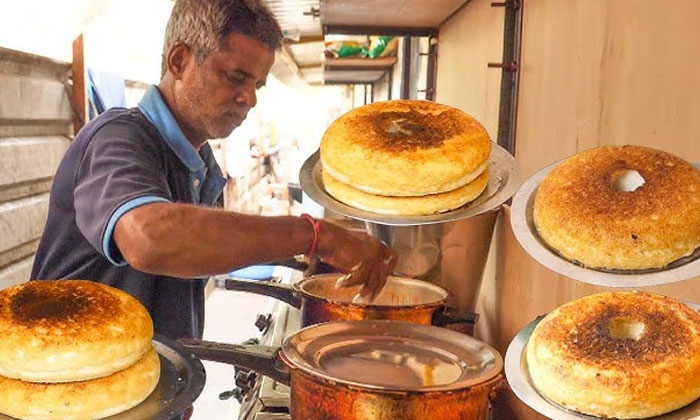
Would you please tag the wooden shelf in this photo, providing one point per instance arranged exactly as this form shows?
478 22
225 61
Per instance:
356 70
387 17
341 77
365 64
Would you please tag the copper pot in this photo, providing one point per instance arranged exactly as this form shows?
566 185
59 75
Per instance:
374 370
402 299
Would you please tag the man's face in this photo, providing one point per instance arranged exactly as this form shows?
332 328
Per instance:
216 94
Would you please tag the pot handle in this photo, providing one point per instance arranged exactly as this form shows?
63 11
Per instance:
449 315
261 359
499 387
283 292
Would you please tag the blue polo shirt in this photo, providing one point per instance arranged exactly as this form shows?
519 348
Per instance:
123 159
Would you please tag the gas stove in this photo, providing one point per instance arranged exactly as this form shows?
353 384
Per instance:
272 397
262 398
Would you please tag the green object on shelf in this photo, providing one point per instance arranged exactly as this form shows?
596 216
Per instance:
378 45
349 50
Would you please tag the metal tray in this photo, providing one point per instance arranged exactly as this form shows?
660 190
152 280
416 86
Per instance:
518 376
181 381
504 179
522 221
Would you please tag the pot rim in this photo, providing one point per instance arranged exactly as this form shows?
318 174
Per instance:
291 357
489 383
317 297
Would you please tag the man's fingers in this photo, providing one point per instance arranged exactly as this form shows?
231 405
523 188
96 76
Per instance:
372 284
353 278
348 280
390 261
381 282
371 274
384 269
365 294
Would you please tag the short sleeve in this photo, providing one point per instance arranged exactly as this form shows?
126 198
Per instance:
121 169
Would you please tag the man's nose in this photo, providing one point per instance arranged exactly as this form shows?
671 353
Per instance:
247 98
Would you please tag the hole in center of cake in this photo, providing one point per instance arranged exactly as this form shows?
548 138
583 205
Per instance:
398 127
626 329
629 181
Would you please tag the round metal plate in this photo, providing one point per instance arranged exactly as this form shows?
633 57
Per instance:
519 380
392 356
181 381
504 180
522 221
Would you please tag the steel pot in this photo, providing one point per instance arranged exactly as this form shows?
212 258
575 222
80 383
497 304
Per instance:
451 255
373 370
402 299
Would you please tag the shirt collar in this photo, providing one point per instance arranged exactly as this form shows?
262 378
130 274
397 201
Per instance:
157 112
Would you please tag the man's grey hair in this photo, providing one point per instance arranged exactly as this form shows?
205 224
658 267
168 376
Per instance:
203 25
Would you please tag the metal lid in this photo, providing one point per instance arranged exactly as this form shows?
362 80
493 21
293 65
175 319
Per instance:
398 292
522 221
504 180
392 356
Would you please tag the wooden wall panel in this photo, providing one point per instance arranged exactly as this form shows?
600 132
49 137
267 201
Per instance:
16 273
17 62
30 158
608 72
18 253
468 42
35 119
22 221
29 98
595 72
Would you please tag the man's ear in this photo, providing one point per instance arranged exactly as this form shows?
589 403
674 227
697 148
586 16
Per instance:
178 58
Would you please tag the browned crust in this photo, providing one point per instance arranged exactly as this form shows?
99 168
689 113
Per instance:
60 305
581 330
405 148
580 214
399 131
69 330
574 361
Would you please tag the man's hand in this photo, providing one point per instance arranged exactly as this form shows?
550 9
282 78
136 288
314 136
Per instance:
366 260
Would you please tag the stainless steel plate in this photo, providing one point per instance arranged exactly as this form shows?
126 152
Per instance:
181 381
504 180
518 376
522 221
392 356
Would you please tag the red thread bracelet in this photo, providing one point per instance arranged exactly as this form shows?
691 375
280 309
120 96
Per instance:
316 224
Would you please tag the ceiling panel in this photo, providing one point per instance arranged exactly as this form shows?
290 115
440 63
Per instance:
313 76
298 29
388 13
290 15
307 54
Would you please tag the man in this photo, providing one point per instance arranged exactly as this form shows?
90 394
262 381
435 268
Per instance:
128 203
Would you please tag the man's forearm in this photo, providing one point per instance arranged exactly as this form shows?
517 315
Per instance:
186 241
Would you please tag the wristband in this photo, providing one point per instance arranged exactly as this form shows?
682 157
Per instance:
316 224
